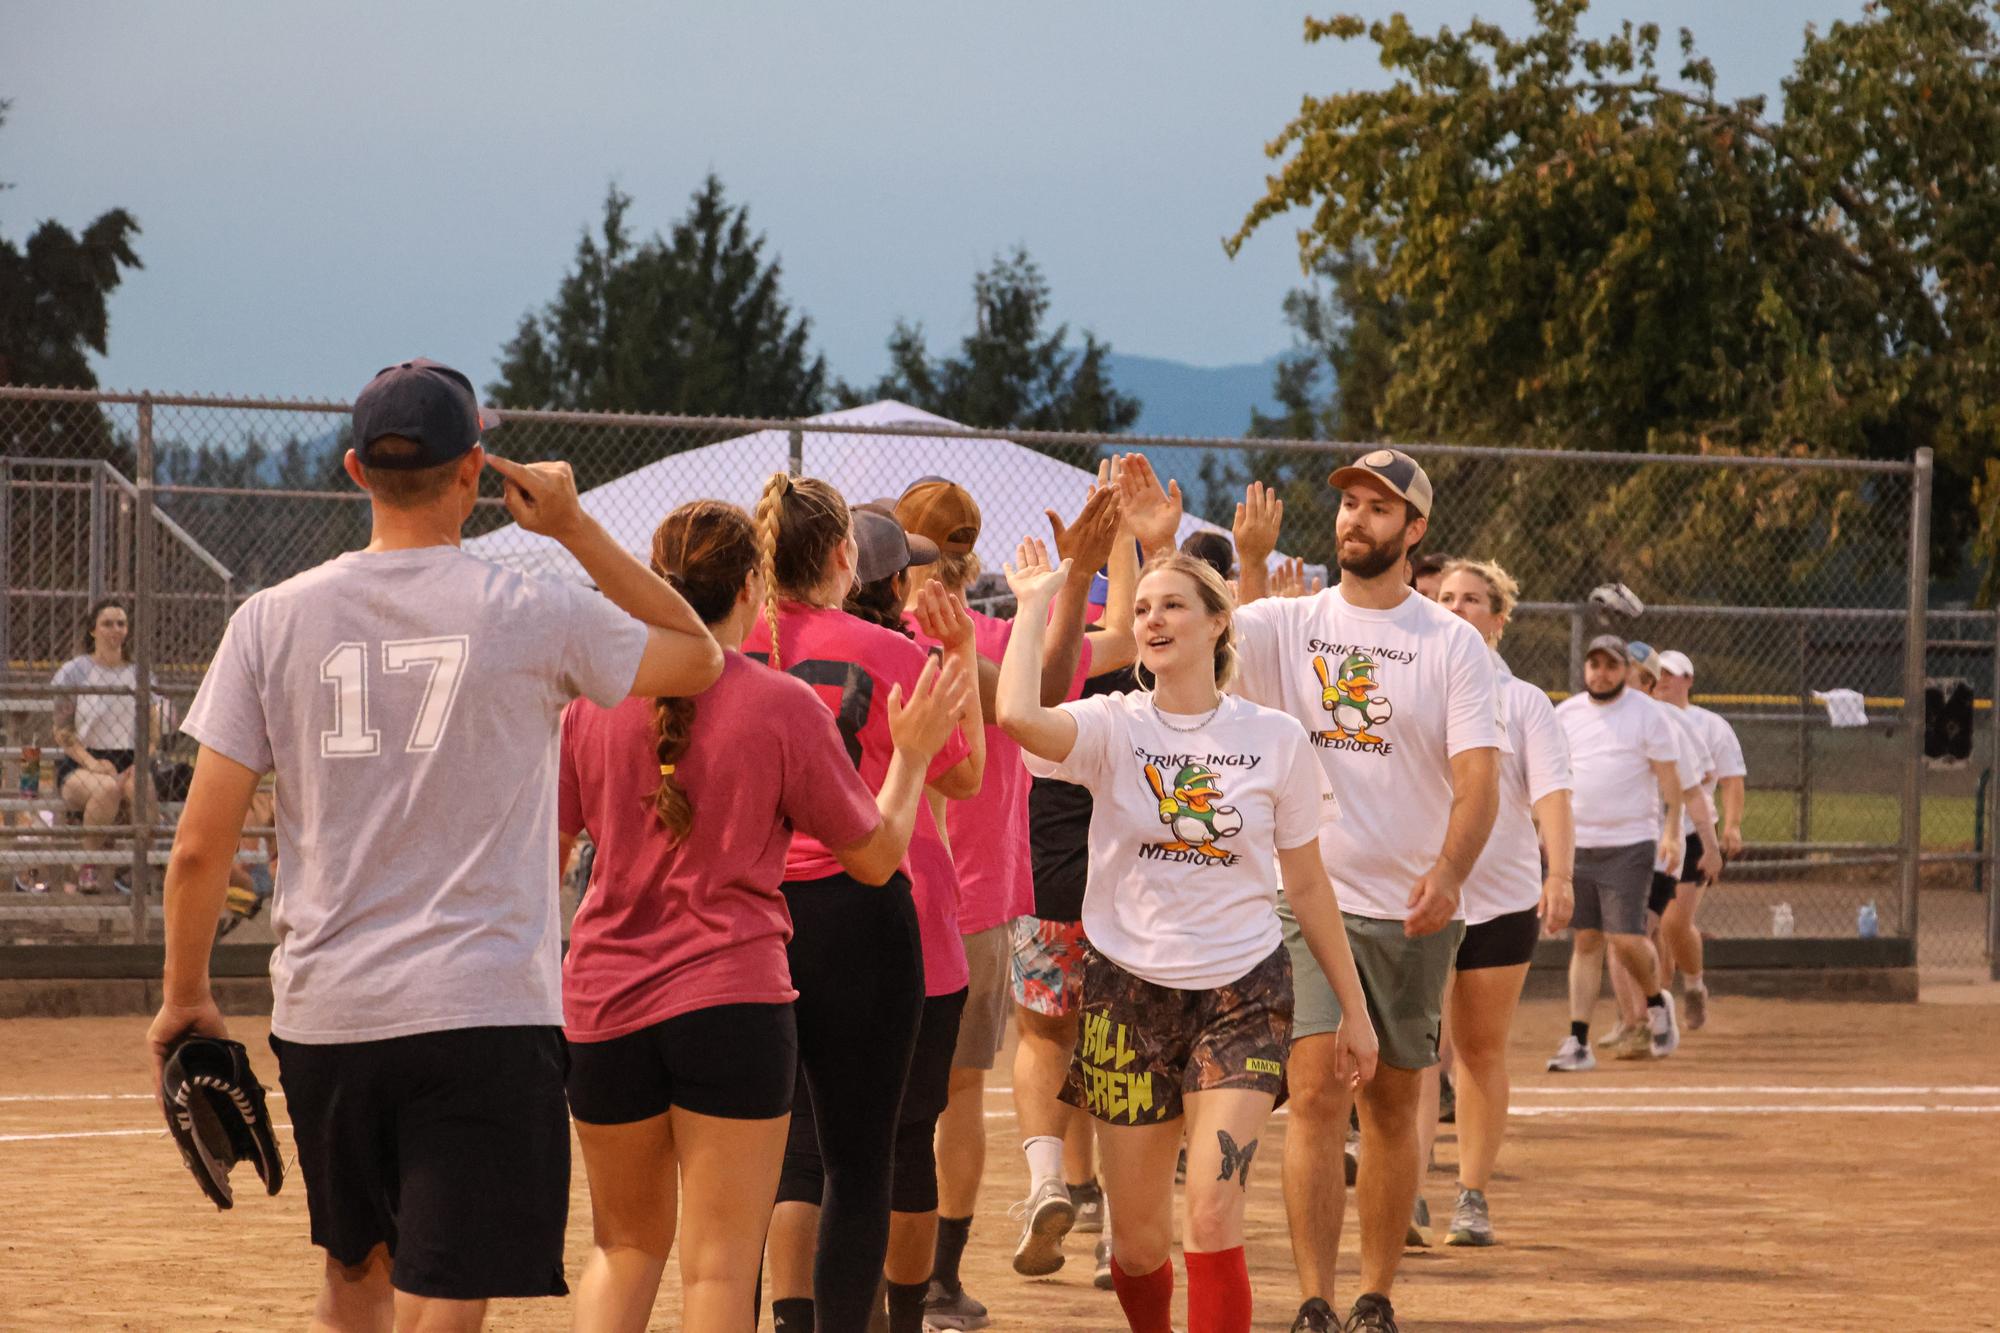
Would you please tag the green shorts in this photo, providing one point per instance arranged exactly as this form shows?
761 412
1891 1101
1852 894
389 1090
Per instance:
1402 978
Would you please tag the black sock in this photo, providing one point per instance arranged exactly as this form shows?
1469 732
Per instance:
951 1238
1581 1031
792 1316
1656 1001
906 1307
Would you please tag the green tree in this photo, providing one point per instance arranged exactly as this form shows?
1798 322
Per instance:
1582 248
1010 372
691 323
53 313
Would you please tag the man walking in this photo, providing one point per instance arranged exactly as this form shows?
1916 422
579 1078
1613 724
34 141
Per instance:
408 696
1680 938
1627 800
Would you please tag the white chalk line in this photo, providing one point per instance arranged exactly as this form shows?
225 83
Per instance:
1761 1090
158 1131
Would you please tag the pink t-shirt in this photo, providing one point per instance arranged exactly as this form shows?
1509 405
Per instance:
852 665
989 833
669 928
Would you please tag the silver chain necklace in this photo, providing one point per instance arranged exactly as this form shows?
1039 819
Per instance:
1208 718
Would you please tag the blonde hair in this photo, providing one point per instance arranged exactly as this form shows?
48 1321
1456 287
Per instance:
800 521
1506 593
1216 599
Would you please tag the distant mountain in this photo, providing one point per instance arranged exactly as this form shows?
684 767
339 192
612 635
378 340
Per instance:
1178 399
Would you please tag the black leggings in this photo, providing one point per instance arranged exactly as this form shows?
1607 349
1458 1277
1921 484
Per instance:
858 965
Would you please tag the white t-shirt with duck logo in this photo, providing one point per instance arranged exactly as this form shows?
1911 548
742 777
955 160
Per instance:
1388 698
1185 824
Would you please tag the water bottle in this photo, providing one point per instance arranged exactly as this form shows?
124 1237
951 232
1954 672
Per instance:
1781 921
1865 921
31 770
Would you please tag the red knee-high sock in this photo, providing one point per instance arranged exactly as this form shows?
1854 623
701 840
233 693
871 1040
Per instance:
1218 1292
1148 1299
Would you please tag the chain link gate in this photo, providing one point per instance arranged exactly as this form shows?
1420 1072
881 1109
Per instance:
1779 576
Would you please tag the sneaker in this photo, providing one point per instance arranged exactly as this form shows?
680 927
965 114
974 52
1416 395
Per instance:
1102 1279
1420 1225
1470 1224
1447 1101
952 1309
1371 1314
1572 1057
1046 1217
1316 1316
1637 1044
1665 1033
1619 1032
1180 1168
1089 1200
1696 1000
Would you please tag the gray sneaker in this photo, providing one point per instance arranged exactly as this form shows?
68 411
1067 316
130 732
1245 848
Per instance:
1572 1057
1102 1279
1470 1224
952 1309
1696 1000
1046 1217
1089 1200
1420 1225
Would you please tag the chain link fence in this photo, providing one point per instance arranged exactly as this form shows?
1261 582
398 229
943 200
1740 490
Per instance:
1781 577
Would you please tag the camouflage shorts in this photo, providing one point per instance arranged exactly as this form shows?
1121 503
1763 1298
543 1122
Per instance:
1144 1047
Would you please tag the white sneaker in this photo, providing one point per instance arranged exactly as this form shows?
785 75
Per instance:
1665 1031
1572 1057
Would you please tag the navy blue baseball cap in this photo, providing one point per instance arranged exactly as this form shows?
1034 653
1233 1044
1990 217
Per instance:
428 404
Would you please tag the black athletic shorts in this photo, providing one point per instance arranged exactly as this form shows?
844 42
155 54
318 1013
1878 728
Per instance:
1691 860
1661 893
734 1061
1505 941
451 1148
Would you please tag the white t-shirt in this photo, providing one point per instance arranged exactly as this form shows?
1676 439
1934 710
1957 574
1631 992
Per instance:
410 703
1184 831
1696 764
1388 698
102 721
1612 749
1724 751
1508 875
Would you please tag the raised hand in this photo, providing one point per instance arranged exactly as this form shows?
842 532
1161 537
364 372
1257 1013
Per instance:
1034 583
1258 519
941 616
921 726
1153 513
1087 542
541 496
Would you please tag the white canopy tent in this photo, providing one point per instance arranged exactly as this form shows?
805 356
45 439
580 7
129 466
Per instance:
1012 483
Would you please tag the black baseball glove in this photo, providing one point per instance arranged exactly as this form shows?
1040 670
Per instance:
215 1111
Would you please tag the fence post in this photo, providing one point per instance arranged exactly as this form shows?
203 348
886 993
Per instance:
1803 831
796 463
1993 813
1914 665
1578 625
7 560
97 531
144 618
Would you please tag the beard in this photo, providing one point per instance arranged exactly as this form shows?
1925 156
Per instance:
1606 696
1376 560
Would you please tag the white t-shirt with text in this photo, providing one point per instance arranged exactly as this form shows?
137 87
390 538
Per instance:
1185 826
1388 698
1508 875
1612 749
410 703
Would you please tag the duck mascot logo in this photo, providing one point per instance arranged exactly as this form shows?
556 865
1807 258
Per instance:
1351 699
1191 810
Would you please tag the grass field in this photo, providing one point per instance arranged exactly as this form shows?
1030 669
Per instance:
1772 816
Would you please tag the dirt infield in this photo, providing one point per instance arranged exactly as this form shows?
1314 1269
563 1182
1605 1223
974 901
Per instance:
1797 1166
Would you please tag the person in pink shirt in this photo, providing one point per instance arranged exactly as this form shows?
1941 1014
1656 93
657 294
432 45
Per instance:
677 995
856 953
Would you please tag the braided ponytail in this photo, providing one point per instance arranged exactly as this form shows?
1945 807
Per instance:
769 519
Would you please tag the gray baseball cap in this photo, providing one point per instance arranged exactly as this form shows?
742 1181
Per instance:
428 404
1609 644
1392 468
882 547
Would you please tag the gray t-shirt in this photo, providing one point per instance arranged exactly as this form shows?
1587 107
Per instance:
410 703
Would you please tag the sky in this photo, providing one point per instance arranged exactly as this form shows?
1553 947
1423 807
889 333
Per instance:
324 189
